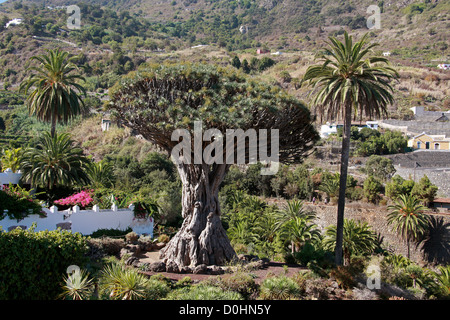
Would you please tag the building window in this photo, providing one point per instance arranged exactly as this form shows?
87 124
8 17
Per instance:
436 146
419 144
427 145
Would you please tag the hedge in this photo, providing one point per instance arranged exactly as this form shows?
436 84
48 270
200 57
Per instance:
32 264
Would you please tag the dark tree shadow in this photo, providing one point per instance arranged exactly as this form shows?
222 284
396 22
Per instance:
436 242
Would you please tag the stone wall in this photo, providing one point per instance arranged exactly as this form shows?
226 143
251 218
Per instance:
376 217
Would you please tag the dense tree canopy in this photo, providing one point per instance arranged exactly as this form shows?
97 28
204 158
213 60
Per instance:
158 101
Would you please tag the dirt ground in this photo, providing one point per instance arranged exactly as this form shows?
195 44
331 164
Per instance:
273 268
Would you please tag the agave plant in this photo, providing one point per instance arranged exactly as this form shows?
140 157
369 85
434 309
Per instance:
77 286
279 288
122 283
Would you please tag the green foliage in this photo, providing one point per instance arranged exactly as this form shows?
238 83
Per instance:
358 239
10 158
56 94
425 191
32 262
279 288
379 167
398 186
77 286
372 189
202 292
390 142
121 283
17 202
407 218
54 162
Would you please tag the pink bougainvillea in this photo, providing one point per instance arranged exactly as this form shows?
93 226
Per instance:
81 199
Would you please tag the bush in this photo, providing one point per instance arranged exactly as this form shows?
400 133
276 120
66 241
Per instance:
18 202
31 261
279 288
202 292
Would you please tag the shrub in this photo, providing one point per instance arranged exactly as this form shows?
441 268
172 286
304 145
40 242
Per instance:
81 199
31 261
120 283
18 202
202 292
279 288
156 289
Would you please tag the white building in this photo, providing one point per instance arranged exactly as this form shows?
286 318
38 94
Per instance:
444 66
13 22
331 128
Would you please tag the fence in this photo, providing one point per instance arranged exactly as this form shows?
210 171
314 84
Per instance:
83 221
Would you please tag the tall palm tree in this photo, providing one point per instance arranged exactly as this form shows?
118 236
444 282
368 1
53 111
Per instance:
56 94
54 161
349 81
407 218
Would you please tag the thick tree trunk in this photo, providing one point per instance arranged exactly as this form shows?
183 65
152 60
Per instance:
201 238
343 184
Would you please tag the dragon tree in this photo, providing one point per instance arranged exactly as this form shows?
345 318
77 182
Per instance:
205 117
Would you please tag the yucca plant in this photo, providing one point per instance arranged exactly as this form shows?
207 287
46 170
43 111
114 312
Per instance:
77 286
121 283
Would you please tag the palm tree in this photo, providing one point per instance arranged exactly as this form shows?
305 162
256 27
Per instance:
54 161
295 223
101 174
358 238
56 94
407 218
298 230
349 81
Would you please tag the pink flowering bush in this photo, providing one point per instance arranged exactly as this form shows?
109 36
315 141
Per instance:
81 199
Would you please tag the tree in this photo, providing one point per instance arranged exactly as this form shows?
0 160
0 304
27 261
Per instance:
56 94
156 101
372 189
347 80
380 167
425 191
407 219
358 239
10 159
54 162
235 62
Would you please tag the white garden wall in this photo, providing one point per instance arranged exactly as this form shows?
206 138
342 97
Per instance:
84 221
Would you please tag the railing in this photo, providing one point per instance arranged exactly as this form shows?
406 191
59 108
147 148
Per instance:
83 221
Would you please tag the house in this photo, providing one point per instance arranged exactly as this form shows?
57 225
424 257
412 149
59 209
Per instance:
441 203
262 51
444 66
331 128
425 141
106 124
13 22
